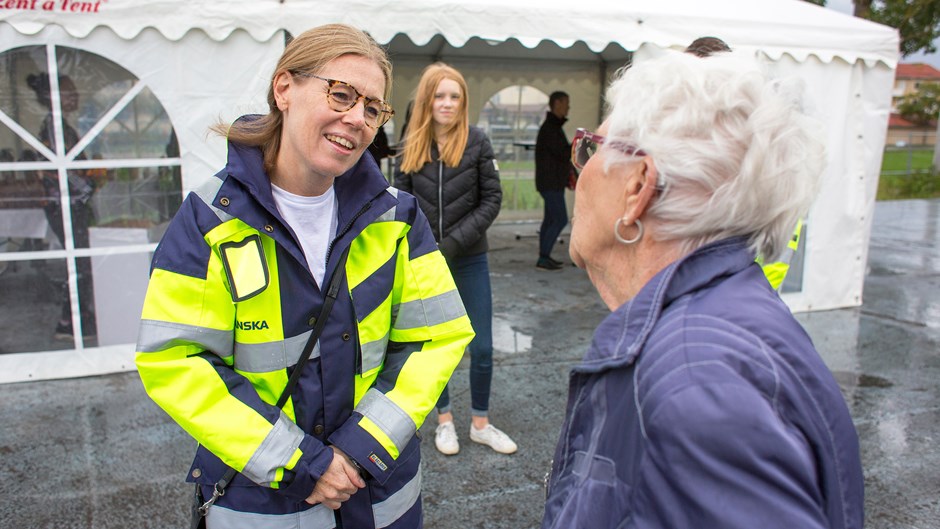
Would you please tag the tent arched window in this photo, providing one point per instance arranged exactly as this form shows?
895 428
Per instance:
89 177
511 118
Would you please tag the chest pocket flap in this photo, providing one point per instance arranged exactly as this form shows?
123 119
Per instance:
245 267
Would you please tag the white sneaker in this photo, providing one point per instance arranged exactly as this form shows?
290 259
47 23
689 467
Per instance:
494 438
445 438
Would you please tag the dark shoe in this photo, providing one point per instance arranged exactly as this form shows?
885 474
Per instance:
559 263
546 263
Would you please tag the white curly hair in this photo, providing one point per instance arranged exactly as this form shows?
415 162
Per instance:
737 154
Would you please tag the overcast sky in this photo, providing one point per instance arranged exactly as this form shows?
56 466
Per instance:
846 6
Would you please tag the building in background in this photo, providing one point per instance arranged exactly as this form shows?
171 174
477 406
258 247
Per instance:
908 80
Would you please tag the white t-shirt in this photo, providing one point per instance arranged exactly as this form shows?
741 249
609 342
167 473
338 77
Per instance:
314 221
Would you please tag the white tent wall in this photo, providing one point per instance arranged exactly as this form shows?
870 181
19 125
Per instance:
211 61
199 81
853 102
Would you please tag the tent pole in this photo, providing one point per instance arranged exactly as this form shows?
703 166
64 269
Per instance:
602 82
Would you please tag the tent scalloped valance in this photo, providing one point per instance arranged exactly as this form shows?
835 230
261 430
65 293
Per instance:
774 27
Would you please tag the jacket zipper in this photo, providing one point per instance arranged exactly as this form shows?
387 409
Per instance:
440 201
346 228
329 252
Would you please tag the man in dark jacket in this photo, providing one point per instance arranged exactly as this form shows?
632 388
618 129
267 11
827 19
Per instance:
552 171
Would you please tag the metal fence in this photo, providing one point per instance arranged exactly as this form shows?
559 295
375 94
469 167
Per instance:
909 153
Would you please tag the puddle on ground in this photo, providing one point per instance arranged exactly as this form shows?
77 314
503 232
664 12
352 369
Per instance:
846 378
508 340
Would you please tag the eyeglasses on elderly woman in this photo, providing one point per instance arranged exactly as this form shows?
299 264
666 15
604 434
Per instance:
343 96
586 144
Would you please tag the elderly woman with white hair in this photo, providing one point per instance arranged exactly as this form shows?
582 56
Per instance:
701 401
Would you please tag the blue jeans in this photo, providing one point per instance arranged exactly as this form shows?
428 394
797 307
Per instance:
554 220
472 276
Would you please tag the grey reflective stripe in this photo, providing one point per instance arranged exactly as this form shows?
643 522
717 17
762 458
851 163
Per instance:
275 451
207 192
154 336
389 215
272 356
373 353
429 311
396 505
787 255
391 419
317 517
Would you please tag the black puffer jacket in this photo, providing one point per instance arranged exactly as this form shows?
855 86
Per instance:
460 202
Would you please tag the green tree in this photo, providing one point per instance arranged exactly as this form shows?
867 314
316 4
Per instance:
923 106
918 21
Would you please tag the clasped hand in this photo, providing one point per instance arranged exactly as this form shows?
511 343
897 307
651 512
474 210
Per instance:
340 481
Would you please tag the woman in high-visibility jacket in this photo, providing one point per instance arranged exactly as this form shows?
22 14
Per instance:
239 279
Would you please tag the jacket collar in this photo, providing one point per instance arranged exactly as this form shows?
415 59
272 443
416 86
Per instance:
552 118
249 187
621 336
354 188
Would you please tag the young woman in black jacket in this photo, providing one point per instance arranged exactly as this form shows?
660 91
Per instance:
449 166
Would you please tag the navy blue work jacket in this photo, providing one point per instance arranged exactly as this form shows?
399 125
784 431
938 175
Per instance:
703 403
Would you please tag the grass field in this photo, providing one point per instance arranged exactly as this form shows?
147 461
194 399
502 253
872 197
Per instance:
908 174
520 194
915 160
900 187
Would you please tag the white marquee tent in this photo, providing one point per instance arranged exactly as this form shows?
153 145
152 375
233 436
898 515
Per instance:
182 65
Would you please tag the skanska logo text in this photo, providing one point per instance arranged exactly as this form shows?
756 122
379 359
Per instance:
251 325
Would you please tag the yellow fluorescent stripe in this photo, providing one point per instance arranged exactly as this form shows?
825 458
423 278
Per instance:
366 424
231 230
371 249
421 334
191 392
375 325
291 463
429 277
363 383
179 298
269 386
425 374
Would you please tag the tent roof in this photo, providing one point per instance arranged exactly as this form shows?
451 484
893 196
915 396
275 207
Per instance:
773 27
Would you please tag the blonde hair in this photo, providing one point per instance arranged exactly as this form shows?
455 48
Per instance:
421 127
308 52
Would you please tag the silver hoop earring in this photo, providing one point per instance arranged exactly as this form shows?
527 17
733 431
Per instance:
639 232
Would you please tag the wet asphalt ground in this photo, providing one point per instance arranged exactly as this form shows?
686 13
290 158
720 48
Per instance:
97 453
